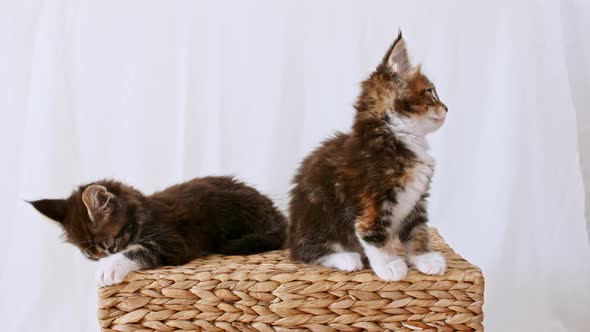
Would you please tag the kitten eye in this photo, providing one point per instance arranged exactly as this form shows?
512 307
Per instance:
428 91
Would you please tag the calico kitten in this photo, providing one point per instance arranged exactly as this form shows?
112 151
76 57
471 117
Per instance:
359 191
127 230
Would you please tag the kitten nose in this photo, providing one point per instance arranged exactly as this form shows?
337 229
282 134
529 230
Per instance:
445 107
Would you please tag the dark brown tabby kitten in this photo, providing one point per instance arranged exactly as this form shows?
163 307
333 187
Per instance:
127 230
359 191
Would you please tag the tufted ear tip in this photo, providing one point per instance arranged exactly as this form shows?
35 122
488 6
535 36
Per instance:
396 58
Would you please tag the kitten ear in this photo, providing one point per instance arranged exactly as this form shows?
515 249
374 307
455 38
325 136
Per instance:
397 58
54 209
97 199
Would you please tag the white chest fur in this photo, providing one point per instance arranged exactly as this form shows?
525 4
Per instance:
416 182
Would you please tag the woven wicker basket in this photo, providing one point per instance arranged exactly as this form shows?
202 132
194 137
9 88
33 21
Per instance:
268 292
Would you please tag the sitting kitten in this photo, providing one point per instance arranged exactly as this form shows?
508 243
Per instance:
358 192
127 230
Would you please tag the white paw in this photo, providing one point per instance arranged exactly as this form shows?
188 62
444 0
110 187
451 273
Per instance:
114 268
429 263
393 270
345 261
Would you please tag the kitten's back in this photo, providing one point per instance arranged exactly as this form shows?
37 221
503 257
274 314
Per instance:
240 218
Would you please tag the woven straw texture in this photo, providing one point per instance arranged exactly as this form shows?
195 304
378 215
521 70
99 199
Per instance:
269 292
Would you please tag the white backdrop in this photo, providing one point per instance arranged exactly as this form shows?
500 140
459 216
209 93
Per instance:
155 92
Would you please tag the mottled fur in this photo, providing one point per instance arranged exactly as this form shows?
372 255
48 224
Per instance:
203 216
358 191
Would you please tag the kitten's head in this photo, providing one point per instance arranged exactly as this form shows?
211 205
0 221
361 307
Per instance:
101 218
401 94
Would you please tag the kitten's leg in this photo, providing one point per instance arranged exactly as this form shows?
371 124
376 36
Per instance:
147 257
372 229
414 235
114 268
386 264
345 261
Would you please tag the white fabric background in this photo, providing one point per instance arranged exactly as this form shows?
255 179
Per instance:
155 92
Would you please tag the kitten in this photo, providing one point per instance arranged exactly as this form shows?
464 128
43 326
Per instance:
127 230
359 191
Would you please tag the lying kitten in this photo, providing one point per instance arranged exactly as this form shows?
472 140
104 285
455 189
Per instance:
127 230
358 192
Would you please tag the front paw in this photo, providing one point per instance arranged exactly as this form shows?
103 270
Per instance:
394 270
345 261
429 263
114 268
